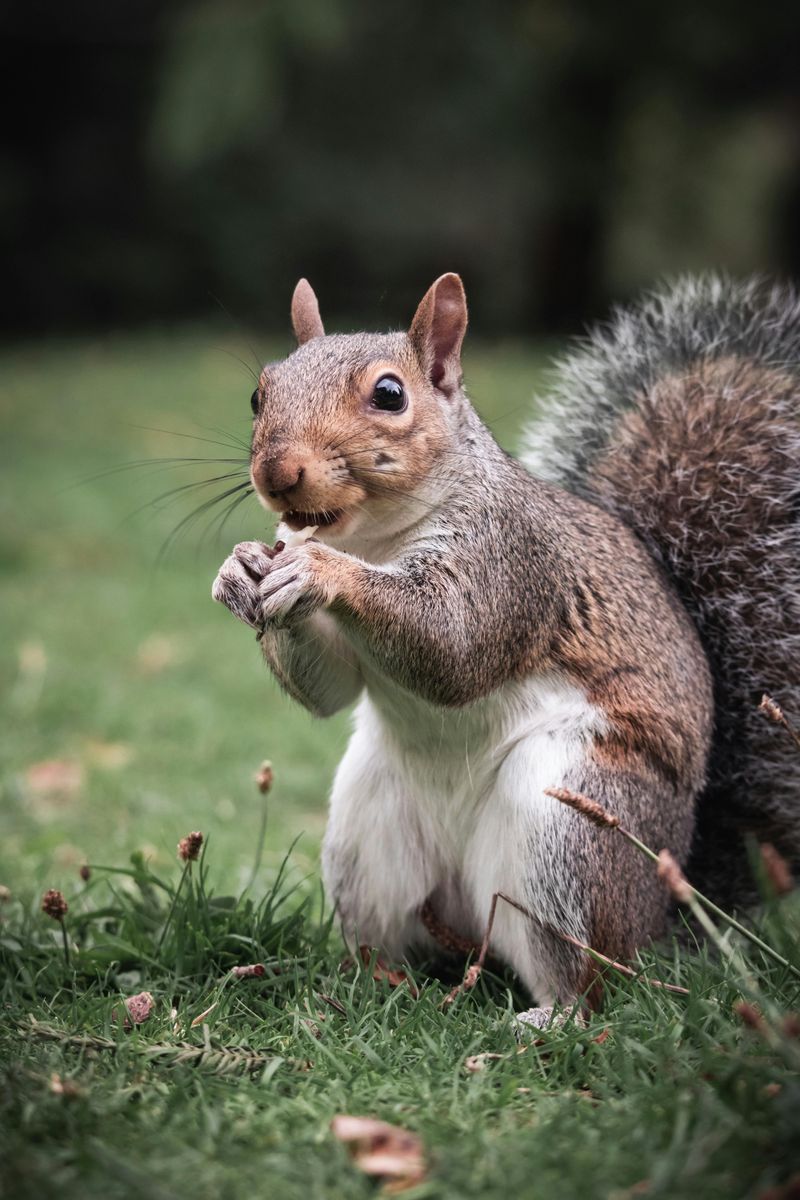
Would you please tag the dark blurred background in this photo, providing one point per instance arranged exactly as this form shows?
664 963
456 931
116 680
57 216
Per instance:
164 159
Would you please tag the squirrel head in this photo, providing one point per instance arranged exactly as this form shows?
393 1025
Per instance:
352 431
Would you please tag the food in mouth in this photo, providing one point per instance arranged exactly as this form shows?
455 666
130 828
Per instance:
295 539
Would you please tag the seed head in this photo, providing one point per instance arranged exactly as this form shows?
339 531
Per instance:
749 1014
189 847
264 777
584 804
54 904
791 1026
673 877
771 709
776 869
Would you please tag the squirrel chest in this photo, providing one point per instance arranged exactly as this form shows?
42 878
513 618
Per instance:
436 802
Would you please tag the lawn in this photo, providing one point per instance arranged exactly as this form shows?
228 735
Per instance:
136 710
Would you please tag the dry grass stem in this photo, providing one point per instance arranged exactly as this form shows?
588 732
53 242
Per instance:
441 933
695 899
669 871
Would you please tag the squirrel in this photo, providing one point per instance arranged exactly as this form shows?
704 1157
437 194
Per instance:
602 616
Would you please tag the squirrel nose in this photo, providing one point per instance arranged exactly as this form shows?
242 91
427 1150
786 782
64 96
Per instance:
279 476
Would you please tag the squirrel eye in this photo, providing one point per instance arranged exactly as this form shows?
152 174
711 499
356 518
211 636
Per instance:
255 402
389 395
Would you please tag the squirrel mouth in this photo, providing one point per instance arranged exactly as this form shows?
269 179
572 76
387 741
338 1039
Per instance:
299 520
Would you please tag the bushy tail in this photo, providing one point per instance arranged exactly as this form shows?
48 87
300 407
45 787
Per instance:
683 418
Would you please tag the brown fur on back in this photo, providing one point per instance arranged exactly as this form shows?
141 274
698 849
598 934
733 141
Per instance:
686 425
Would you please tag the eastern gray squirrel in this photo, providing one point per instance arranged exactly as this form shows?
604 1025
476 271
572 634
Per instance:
604 618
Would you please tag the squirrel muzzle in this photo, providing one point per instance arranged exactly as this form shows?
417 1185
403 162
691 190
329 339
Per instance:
278 478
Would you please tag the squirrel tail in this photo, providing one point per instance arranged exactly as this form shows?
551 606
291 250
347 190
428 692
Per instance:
682 417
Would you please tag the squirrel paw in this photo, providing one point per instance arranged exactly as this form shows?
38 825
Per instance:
262 586
295 585
239 578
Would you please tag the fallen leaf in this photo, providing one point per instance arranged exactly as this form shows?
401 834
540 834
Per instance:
32 659
602 1037
382 971
61 777
381 1149
199 1020
477 1062
64 1087
67 855
109 756
156 654
333 1003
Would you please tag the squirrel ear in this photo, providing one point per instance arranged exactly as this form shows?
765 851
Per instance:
306 321
438 329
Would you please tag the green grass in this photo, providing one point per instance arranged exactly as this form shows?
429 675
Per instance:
154 702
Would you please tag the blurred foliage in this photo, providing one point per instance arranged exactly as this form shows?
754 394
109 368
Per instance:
557 152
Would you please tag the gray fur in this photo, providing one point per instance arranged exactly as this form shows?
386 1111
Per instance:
727 534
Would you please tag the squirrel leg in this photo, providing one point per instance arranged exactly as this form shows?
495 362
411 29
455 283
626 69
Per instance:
313 663
573 878
377 864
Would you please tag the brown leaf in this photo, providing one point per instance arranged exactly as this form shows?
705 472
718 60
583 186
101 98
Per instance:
156 654
384 1150
202 1016
382 971
67 1088
61 777
477 1062
109 756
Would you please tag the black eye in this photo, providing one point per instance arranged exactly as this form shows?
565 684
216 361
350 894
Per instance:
254 402
389 395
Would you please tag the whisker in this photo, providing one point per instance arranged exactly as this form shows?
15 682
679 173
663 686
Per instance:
158 464
254 375
218 524
384 491
173 493
195 515
232 442
237 326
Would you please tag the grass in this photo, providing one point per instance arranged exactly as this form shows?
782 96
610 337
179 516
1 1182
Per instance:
153 712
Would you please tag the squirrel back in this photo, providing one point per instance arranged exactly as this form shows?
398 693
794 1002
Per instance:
682 418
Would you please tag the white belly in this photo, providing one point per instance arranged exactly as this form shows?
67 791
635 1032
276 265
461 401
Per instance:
430 800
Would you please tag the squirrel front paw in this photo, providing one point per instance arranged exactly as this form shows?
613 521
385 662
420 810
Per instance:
262 586
238 579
